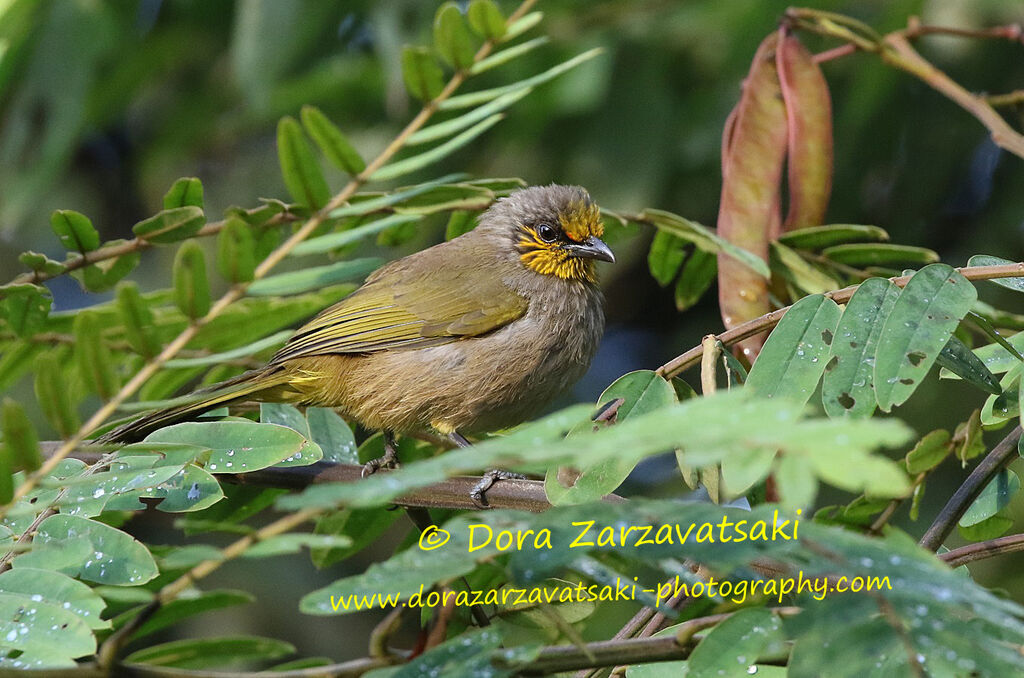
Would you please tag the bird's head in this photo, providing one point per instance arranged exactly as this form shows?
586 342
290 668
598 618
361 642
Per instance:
555 230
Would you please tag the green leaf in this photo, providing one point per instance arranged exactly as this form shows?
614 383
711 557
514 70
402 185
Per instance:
797 351
416 162
1016 284
703 237
880 254
929 452
796 482
283 544
449 127
333 241
24 308
207 653
363 527
95 363
816 238
302 174
522 25
37 634
968 438
333 435
103 275
483 96
459 223
920 324
508 54
41 264
56 589
642 391
184 607
76 232
699 272
423 77
53 396
997 358
956 357
990 528
170 225
452 38
236 251
486 19
237 446
113 557
993 499
666 256
1006 405
333 144
137 320
255 347
183 193
848 388
191 288
20 439
316 277
802 273
740 639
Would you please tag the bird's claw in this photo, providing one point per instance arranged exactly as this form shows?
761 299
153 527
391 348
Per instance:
388 461
487 481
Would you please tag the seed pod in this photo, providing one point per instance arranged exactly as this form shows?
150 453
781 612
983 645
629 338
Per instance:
191 288
755 144
93 356
809 115
54 396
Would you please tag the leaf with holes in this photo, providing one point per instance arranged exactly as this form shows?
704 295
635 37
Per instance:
847 389
797 351
920 324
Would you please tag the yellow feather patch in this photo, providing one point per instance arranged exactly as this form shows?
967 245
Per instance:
581 220
548 259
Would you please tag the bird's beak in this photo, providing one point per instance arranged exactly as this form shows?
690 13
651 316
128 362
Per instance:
592 248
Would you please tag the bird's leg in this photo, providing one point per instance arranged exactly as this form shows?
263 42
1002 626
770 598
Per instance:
389 460
478 495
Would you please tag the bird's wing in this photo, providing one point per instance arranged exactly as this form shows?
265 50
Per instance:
400 307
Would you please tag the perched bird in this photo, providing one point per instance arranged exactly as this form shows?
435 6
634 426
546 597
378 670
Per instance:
471 335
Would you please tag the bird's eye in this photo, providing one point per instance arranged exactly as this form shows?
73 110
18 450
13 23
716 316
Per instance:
547 233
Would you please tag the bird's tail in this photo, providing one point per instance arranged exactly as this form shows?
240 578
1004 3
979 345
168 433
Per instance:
248 386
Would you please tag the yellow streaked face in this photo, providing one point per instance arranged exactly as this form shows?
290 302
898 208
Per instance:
567 245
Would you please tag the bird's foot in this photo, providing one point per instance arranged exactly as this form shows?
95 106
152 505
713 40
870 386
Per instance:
389 460
478 495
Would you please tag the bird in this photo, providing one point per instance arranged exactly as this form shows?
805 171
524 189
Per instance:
472 335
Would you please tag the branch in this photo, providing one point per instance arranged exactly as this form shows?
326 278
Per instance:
770 320
1000 456
982 550
238 291
894 49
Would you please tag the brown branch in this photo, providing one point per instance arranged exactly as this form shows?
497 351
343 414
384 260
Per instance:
769 320
895 50
1000 456
982 550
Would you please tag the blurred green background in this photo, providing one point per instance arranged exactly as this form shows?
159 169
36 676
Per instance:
104 104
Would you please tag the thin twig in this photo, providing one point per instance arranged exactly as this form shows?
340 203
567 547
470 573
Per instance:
954 509
769 320
984 549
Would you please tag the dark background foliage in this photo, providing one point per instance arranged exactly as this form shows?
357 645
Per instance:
103 105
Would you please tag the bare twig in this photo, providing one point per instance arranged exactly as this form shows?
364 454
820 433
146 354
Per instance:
954 509
770 320
982 550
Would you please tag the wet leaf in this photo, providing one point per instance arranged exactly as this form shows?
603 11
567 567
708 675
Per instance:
996 496
956 357
920 324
